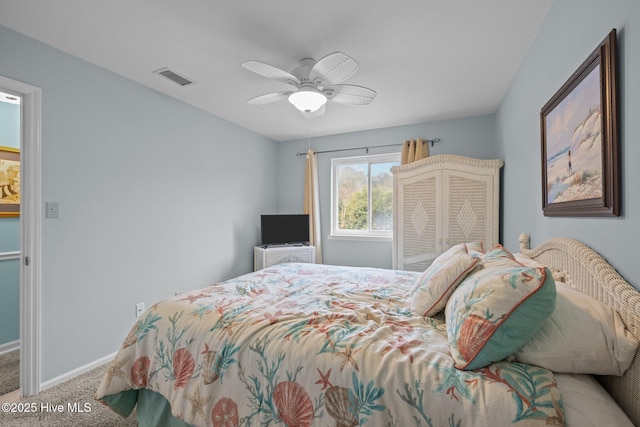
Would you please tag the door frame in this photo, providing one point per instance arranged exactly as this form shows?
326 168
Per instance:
30 231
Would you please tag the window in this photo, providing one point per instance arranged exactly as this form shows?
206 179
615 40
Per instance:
362 196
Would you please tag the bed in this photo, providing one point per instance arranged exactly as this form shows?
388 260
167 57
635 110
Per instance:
305 345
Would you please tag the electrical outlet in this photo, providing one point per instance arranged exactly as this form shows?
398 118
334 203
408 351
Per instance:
139 309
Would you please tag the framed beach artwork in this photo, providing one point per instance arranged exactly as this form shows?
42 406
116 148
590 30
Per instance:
9 182
579 135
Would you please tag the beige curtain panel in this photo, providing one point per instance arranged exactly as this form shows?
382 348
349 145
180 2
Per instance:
312 203
413 150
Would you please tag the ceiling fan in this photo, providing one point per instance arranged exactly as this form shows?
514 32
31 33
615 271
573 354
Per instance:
315 83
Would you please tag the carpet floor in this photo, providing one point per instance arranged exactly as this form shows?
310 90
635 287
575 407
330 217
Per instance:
9 371
70 398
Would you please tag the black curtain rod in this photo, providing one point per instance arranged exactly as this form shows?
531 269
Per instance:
432 141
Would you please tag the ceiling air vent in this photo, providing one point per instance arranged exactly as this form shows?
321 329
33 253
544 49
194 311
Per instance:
173 76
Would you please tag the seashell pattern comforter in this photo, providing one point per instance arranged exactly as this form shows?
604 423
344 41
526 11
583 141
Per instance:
316 345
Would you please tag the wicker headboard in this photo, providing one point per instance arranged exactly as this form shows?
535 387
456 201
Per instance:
582 268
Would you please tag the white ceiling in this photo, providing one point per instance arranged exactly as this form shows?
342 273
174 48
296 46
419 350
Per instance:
427 59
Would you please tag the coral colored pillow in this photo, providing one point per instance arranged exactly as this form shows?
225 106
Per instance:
433 288
497 309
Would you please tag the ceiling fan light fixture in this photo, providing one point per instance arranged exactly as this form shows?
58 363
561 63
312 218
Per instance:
315 83
307 100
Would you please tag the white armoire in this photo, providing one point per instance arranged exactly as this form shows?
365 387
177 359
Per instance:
441 201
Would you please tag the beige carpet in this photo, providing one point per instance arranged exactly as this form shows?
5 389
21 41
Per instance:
9 371
77 393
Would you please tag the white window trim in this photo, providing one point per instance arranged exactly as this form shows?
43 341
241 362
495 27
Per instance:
361 235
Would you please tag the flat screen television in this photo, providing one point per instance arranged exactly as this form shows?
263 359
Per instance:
284 229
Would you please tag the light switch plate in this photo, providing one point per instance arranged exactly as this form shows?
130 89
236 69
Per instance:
52 210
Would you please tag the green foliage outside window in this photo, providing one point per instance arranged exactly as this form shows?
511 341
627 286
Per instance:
353 203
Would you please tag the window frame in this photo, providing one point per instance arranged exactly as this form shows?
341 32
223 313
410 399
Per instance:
369 234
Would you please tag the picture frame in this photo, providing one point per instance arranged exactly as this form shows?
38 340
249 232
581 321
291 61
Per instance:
579 140
9 182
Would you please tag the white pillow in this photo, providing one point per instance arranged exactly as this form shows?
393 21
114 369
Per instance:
433 288
587 404
582 335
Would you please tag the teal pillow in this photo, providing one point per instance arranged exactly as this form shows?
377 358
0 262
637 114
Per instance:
497 309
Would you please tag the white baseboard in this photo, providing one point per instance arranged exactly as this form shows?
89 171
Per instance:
10 346
78 371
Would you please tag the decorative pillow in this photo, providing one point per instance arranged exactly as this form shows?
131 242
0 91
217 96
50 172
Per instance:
497 309
433 288
475 249
582 336
525 260
499 254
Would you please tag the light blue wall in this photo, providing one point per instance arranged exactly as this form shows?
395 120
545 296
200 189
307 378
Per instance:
570 32
471 136
9 125
9 238
155 197
9 301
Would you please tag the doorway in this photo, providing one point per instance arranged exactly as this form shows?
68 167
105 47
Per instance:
30 230
9 242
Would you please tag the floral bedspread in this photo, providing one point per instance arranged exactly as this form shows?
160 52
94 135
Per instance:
318 345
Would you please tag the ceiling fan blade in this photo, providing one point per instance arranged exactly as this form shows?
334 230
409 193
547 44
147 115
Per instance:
271 72
333 69
350 94
319 112
268 98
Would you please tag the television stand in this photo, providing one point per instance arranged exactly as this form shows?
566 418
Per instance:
272 255
284 245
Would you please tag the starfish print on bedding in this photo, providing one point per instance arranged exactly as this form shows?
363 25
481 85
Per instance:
454 380
115 370
202 310
228 318
318 323
402 345
192 298
197 404
324 379
272 318
348 357
223 305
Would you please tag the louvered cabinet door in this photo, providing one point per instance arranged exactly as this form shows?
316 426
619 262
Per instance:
470 203
418 222
441 201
